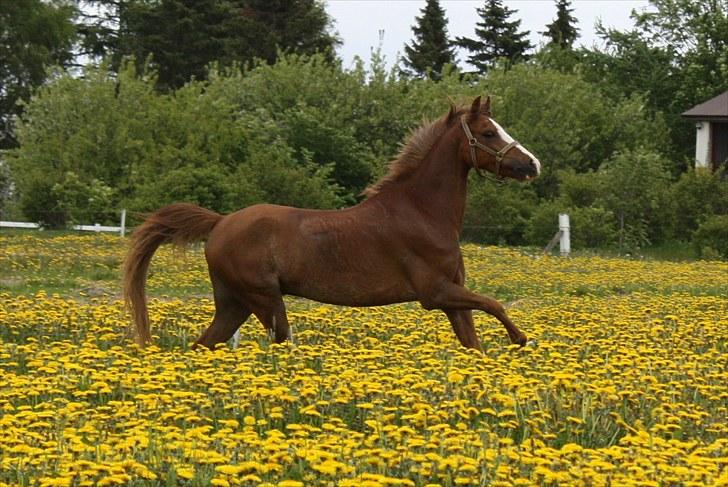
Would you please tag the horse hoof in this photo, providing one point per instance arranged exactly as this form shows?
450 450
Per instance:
530 343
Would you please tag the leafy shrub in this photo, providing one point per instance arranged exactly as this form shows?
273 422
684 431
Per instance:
282 179
696 196
498 214
208 187
566 122
39 205
711 237
580 189
635 191
83 202
589 226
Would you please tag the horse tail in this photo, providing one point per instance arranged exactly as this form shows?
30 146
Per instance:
179 224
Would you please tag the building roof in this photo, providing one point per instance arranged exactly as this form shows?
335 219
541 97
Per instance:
715 108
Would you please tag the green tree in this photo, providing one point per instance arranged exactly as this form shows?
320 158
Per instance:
115 130
562 31
696 196
431 49
184 36
675 57
80 201
317 108
6 187
34 35
498 214
635 189
496 38
566 122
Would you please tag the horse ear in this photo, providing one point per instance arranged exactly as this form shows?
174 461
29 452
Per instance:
475 107
485 107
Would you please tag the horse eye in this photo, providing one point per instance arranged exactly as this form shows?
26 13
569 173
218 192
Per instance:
489 133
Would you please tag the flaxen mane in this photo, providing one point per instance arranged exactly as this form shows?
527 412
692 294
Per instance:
412 151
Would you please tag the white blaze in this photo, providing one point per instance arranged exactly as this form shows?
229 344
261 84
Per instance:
508 139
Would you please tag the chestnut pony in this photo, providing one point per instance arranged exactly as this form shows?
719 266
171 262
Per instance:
399 244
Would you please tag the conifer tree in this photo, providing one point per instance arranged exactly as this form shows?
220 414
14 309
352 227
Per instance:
562 31
497 37
431 49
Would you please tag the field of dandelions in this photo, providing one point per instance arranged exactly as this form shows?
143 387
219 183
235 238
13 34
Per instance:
627 383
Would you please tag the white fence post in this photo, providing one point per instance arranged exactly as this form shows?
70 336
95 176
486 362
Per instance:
564 228
122 231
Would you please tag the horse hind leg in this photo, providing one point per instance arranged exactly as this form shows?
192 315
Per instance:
271 311
462 324
229 315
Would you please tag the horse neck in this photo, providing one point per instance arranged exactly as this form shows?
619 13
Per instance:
438 186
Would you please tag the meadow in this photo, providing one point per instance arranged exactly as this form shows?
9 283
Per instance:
627 383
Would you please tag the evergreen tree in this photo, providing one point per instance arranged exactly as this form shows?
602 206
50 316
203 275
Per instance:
496 37
562 31
431 49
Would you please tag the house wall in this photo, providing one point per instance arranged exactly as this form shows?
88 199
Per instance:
702 144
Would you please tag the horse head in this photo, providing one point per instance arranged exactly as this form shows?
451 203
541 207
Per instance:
485 145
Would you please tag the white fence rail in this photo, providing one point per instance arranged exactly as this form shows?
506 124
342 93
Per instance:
4 224
121 229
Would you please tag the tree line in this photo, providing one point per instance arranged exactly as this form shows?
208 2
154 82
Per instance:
253 105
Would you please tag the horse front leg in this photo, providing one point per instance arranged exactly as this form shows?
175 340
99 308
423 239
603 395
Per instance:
462 319
462 324
452 296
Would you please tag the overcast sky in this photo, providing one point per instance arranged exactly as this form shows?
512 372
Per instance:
359 22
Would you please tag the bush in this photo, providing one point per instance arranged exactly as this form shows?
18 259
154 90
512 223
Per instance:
697 195
580 189
636 191
711 237
498 214
566 122
84 202
39 205
590 227
208 187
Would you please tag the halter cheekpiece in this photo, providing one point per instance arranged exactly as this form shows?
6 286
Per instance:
498 154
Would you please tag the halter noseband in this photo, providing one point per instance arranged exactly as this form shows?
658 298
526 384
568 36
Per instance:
498 154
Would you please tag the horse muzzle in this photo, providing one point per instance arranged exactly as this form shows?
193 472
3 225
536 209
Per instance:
524 170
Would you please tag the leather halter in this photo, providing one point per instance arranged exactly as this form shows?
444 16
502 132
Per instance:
498 154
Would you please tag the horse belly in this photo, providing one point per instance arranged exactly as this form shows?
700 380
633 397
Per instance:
350 273
347 290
